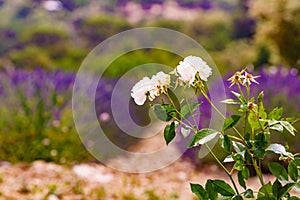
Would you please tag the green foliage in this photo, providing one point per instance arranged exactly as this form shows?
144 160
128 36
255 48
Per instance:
278 170
199 191
247 147
217 27
169 132
226 143
203 136
95 29
31 57
231 122
279 28
165 112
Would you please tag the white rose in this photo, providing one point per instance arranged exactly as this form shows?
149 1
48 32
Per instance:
190 66
150 87
143 89
161 81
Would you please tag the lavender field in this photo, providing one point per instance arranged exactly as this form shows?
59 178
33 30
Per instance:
37 116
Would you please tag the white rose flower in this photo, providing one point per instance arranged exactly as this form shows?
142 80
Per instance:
162 81
150 87
143 89
190 66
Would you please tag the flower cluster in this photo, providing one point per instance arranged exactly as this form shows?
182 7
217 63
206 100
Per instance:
150 87
187 71
242 77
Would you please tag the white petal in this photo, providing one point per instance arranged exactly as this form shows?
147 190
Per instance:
200 65
186 71
140 89
161 79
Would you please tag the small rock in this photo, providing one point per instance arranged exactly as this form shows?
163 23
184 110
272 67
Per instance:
91 173
52 197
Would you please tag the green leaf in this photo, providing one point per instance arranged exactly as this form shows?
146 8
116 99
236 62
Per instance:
223 188
164 112
226 143
228 159
261 111
199 191
253 120
260 141
238 165
293 170
212 193
266 188
276 189
293 198
238 147
297 162
248 157
260 96
266 198
278 171
225 198
239 162
260 144
277 148
169 132
203 136
285 190
245 173
237 197
288 127
276 114
185 131
248 140
277 127
259 153
230 122
231 101
188 109
248 193
241 180
239 97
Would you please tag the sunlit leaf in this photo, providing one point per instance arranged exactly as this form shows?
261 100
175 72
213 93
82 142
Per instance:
277 148
239 97
288 127
230 122
231 101
185 131
203 136
276 114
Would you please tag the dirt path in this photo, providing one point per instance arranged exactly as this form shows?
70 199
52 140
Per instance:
49 181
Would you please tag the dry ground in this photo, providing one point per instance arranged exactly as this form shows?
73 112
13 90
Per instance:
49 181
